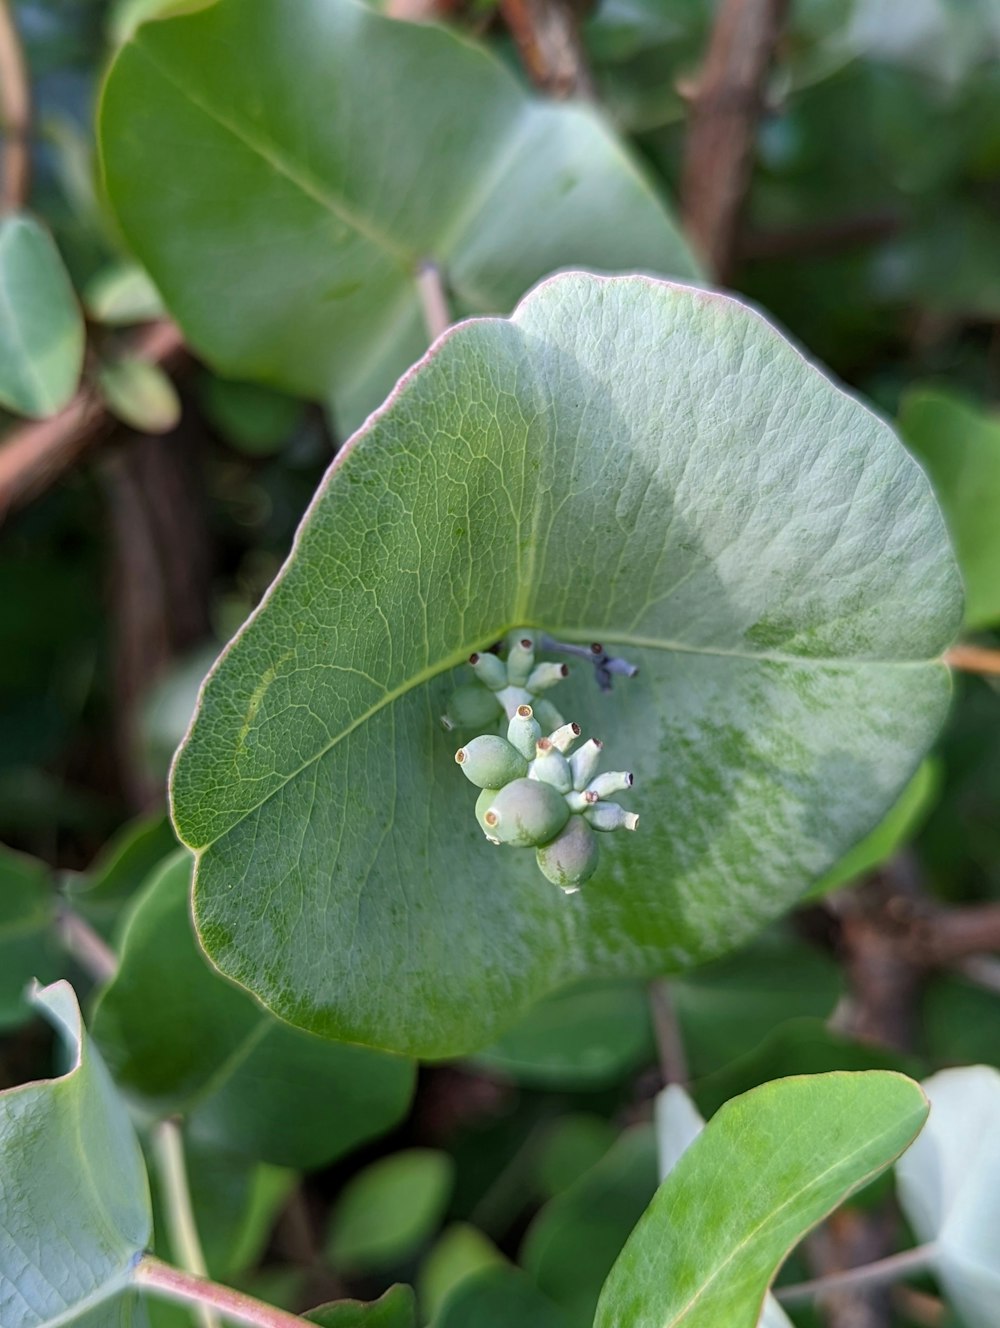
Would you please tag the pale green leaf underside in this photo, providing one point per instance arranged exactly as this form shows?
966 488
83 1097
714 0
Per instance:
74 1203
41 327
283 170
624 460
766 1168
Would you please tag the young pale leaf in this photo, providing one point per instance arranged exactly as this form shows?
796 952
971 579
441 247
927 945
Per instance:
74 1204
960 446
949 1188
389 1209
624 460
27 943
397 1308
307 205
460 1252
141 395
122 294
186 1042
764 1171
41 327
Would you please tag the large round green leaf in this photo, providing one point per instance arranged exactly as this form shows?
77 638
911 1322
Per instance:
284 170
624 460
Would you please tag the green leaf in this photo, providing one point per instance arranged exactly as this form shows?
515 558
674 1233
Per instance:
460 1252
141 395
570 1147
572 1244
949 1188
41 328
397 1308
500 1298
764 1171
187 1043
896 829
27 948
307 206
74 1204
121 294
960 447
123 865
255 420
389 1209
628 461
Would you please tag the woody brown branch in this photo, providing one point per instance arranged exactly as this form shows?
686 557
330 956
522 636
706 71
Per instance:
15 113
548 40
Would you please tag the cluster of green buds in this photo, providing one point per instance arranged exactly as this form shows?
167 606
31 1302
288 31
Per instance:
501 685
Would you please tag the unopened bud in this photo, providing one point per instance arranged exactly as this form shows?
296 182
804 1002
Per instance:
606 816
551 766
490 761
584 762
471 706
610 782
525 813
520 660
546 675
490 669
572 857
564 736
547 715
523 731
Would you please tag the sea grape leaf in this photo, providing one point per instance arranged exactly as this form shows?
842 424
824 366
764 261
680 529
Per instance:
74 1203
949 1188
27 938
185 1042
307 205
41 327
624 460
960 447
389 1209
766 1168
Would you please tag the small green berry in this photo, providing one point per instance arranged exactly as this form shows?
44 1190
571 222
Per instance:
483 803
564 736
546 675
611 781
525 813
550 766
489 669
607 816
547 715
471 706
520 660
523 731
584 762
490 761
571 858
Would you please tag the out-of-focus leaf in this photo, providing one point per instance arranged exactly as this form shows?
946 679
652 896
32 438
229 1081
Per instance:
571 1245
460 1252
123 865
959 1022
960 447
397 1308
122 294
185 1042
949 1188
27 947
772 560
766 1168
169 705
256 420
569 1148
41 328
304 229
141 395
499 1298
74 1204
391 1208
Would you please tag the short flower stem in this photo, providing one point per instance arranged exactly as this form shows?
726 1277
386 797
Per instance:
160 1279
433 301
869 1274
667 1030
974 659
185 1243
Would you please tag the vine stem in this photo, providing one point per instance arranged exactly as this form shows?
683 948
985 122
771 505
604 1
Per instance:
168 1148
15 109
869 1274
161 1279
974 659
667 1029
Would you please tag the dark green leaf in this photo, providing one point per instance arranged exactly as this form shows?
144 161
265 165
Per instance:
27 946
397 1308
500 1298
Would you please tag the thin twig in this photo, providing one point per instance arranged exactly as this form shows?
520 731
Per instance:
879 1273
974 659
667 1030
33 456
90 950
159 1278
722 127
168 1149
433 301
547 36
15 112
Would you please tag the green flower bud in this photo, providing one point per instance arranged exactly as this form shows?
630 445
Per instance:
525 813
611 781
546 675
489 761
520 660
483 803
512 697
577 801
523 731
584 762
550 766
564 736
571 858
609 816
547 715
490 670
471 706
